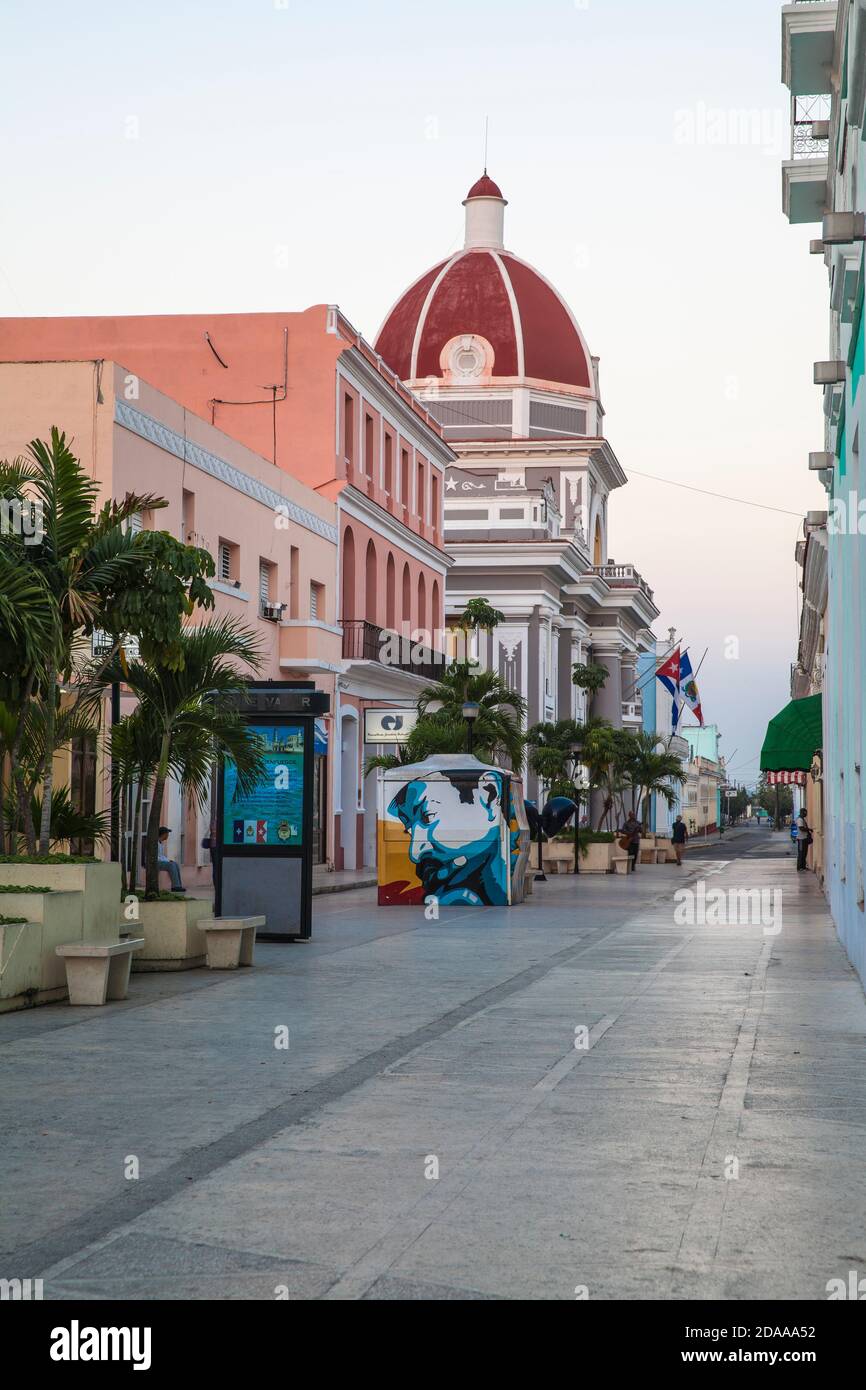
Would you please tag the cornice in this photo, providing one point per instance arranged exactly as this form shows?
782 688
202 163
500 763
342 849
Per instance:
155 432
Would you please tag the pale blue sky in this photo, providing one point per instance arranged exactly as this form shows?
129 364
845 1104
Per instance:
241 155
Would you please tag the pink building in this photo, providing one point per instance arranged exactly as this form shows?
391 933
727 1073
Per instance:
334 431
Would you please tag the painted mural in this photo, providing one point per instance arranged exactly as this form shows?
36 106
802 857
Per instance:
452 833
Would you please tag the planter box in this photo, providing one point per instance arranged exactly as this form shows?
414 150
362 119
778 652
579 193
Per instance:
597 859
558 857
647 849
99 883
31 971
172 941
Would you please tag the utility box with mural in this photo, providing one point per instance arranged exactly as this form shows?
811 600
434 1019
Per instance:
453 829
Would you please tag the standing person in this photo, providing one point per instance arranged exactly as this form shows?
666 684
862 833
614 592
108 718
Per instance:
679 835
170 865
631 832
804 840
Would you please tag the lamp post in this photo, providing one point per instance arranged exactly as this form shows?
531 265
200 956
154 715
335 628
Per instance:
575 749
471 710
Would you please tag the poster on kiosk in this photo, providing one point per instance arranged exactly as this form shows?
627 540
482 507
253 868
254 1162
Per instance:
264 835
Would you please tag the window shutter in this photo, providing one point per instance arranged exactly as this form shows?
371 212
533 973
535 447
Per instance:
314 600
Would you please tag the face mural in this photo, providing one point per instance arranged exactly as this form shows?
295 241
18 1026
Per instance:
454 846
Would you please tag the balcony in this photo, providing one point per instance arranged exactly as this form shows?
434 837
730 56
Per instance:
808 36
622 577
632 713
363 641
804 175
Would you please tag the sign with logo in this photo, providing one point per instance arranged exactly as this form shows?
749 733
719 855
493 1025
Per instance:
389 725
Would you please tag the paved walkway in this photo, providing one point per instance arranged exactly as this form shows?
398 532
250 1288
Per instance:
711 1050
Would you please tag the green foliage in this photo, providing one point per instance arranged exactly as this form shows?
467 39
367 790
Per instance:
48 859
589 676
23 888
479 614
11 921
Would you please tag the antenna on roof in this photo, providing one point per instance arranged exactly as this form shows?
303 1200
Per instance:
486 131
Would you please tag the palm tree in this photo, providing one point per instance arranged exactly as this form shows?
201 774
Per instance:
499 726
82 558
191 716
650 773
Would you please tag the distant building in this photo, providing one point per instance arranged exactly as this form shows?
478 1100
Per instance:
499 360
705 775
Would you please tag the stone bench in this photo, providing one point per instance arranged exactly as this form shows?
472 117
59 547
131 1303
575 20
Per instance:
230 941
619 862
98 970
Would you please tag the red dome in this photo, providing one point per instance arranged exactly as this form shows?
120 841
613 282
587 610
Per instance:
485 188
492 294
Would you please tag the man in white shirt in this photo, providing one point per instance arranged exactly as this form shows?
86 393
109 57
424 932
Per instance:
169 864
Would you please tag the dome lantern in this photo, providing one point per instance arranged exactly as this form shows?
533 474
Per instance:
485 215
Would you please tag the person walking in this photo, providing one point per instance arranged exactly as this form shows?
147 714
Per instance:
679 835
631 833
804 840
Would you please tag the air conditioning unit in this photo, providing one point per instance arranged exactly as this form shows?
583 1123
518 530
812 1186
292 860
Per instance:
818 462
841 228
828 373
274 611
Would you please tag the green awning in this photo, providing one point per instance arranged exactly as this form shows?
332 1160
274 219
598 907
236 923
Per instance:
793 737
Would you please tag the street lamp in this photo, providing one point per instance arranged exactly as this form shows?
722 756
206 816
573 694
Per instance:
575 749
471 711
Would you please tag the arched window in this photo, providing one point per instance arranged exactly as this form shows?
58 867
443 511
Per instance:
347 607
371 608
407 597
597 555
390 591
422 602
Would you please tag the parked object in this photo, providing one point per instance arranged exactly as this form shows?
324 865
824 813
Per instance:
230 941
98 970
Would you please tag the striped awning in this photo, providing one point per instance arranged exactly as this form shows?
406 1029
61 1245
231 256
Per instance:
785 779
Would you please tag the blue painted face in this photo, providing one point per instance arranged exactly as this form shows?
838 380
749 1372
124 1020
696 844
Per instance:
456 843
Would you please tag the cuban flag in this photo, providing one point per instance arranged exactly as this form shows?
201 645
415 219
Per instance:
669 675
689 690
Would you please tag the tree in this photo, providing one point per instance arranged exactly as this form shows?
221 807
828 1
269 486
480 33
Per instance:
441 728
87 571
188 713
478 615
649 773
589 676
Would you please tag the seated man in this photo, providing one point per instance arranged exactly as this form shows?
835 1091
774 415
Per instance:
167 864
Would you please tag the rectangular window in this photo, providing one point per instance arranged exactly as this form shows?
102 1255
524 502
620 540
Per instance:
265 568
82 789
420 499
187 517
404 477
434 501
389 463
294 581
228 570
369 440
317 600
348 428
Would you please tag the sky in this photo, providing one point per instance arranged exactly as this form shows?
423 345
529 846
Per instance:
271 154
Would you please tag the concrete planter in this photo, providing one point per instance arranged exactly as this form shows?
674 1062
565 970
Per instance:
647 849
558 857
30 971
172 940
99 884
597 858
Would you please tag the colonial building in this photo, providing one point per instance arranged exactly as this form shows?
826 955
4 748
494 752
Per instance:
824 183
499 360
335 420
